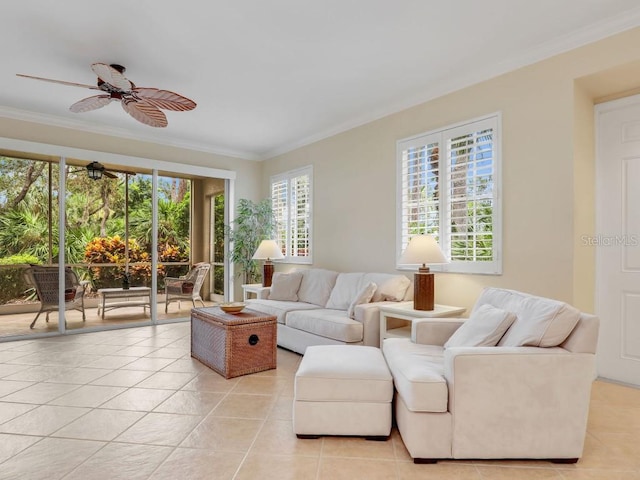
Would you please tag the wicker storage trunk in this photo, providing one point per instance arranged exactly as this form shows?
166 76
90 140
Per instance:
233 345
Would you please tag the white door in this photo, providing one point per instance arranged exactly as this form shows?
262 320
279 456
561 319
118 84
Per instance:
617 239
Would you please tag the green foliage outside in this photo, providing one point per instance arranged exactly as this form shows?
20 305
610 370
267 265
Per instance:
94 222
12 282
218 245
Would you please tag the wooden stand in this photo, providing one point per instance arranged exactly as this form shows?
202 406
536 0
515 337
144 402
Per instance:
423 296
267 273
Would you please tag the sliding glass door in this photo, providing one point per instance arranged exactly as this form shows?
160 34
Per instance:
118 238
28 236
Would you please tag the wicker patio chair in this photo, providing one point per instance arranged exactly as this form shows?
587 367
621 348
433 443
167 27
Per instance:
45 281
186 287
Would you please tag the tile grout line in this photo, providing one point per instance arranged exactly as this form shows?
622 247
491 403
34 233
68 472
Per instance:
225 395
264 422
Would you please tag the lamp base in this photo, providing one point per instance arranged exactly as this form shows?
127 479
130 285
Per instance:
267 273
423 289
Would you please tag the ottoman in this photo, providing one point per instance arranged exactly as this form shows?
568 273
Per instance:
342 390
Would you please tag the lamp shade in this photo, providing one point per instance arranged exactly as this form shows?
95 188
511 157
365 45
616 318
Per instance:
268 249
422 250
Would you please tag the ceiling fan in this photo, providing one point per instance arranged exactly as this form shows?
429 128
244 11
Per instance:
96 171
141 103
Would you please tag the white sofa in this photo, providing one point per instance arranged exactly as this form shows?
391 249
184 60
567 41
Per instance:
324 307
527 397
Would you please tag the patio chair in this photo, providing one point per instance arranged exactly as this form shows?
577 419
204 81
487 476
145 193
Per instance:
187 286
45 281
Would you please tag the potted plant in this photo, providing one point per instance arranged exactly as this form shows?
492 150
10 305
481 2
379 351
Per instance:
253 223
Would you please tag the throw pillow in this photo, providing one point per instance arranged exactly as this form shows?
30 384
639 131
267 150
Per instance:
284 286
392 289
316 286
364 296
347 287
541 322
484 328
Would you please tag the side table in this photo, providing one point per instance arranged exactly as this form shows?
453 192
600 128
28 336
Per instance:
252 288
405 311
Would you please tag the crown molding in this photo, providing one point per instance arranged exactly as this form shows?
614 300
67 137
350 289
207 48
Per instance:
576 39
54 121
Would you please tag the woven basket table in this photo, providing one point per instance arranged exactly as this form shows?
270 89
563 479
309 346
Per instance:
233 345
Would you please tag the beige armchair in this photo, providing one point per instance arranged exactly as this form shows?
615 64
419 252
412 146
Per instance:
45 281
186 287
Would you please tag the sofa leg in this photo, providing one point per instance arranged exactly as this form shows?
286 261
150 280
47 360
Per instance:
564 460
307 437
425 461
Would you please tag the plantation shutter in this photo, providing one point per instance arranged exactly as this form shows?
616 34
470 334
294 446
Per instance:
420 212
300 216
471 202
448 187
291 195
279 202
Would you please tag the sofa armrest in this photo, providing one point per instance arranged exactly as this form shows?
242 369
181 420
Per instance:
369 315
499 396
434 331
263 293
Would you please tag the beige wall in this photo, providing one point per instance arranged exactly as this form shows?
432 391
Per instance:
548 191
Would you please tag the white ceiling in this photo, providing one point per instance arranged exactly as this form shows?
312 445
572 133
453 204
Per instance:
271 75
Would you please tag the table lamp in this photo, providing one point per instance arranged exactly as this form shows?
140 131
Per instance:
267 250
423 249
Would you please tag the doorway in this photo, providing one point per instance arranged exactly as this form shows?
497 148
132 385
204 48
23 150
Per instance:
617 238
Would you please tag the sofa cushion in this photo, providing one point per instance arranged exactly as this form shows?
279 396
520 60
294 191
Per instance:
364 296
316 286
390 287
347 287
284 286
418 374
278 308
484 328
540 322
334 324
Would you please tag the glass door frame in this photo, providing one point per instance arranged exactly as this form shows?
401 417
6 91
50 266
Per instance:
156 166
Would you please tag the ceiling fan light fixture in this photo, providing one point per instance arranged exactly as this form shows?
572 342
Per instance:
95 170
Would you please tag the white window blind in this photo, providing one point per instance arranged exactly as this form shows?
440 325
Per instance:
291 195
448 186
279 203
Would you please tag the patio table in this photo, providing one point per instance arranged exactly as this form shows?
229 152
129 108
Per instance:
131 297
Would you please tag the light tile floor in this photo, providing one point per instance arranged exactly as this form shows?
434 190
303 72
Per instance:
132 404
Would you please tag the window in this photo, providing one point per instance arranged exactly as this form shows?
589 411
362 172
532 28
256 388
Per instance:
448 186
291 194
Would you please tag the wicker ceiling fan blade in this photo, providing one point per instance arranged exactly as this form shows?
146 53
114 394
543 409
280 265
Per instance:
61 82
165 99
144 112
113 77
143 104
91 103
